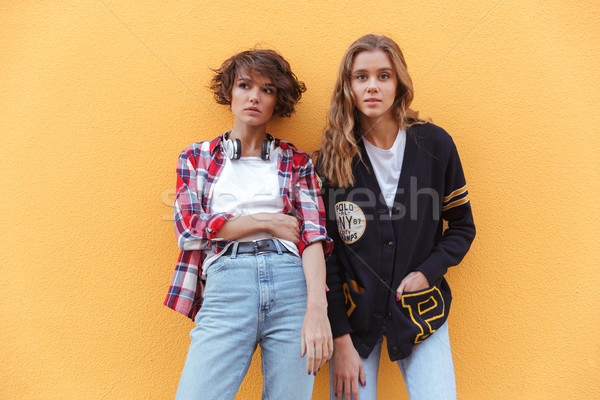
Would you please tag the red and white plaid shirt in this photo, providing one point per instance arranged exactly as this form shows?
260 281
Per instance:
198 169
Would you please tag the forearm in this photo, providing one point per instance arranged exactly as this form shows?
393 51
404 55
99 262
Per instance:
453 245
313 263
239 227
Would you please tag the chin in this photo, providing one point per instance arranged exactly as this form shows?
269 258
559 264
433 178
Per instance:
373 114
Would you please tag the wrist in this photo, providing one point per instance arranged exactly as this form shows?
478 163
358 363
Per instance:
263 221
343 341
316 305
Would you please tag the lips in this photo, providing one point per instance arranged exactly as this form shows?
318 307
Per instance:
372 101
252 110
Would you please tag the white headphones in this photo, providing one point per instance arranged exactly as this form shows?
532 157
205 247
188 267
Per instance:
233 148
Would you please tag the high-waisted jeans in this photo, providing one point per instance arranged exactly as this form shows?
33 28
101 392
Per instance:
249 300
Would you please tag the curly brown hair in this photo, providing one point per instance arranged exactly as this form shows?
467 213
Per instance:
264 62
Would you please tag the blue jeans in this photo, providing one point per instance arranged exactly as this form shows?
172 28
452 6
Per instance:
249 300
428 372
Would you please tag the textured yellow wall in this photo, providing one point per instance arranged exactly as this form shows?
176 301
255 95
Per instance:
98 98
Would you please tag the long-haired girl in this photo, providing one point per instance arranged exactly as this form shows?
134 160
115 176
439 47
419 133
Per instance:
390 180
250 224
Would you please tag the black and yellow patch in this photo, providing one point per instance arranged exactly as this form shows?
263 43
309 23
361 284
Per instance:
348 297
423 308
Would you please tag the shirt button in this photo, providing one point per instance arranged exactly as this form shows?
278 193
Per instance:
389 243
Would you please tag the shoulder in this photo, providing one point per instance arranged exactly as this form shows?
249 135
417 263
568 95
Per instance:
299 157
432 140
201 149
430 133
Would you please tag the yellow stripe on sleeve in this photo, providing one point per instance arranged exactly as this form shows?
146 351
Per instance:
456 203
457 192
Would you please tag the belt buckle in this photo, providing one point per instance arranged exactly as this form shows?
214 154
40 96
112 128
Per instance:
257 251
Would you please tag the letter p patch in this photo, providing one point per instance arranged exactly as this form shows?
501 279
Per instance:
424 307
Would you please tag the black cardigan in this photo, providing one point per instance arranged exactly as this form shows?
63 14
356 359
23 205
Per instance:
374 251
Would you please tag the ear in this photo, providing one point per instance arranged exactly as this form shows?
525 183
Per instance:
227 95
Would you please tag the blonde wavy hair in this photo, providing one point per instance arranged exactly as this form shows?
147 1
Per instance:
341 135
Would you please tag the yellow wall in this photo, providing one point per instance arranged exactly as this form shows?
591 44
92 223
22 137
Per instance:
99 97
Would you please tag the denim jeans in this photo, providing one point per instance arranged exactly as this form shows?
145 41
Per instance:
428 372
249 300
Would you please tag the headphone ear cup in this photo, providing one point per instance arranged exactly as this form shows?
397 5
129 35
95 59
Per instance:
228 147
265 152
268 146
271 148
233 148
237 149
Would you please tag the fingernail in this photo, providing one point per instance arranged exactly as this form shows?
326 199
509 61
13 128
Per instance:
397 298
365 383
335 394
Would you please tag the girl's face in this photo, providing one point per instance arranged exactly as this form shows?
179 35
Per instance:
253 99
373 83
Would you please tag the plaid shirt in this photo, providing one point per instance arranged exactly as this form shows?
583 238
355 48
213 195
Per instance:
198 170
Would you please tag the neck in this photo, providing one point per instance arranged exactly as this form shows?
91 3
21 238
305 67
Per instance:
251 138
380 132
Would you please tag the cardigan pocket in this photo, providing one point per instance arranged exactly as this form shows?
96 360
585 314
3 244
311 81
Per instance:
426 310
356 304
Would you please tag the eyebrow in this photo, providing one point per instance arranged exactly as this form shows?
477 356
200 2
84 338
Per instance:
384 69
241 78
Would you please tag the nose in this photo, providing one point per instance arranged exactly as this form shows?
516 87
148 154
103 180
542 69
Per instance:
253 96
372 85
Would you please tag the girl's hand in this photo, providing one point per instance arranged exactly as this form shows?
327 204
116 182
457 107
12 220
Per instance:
347 369
412 282
283 226
317 341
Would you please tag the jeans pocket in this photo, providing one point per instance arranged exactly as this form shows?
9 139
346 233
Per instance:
216 266
215 274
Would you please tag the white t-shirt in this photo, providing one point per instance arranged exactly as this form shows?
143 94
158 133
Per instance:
247 186
387 165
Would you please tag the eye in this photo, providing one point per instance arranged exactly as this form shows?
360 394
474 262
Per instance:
268 90
243 85
361 77
384 76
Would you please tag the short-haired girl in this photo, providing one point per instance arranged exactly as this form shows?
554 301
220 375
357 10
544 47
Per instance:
250 224
390 180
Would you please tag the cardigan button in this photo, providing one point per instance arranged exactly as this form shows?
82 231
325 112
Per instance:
388 315
396 210
389 243
395 350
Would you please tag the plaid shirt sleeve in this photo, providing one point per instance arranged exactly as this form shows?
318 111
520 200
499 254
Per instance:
310 208
194 227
